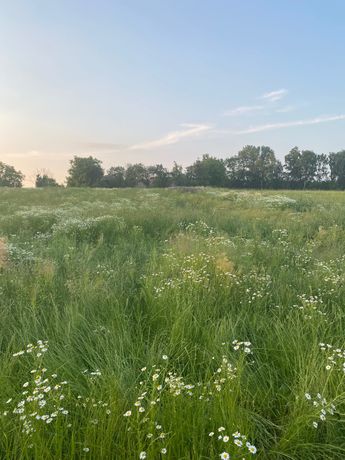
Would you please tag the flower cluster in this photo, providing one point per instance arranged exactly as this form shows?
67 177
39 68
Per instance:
92 374
238 443
256 286
74 226
192 270
198 227
38 349
103 269
101 330
147 407
226 372
335 357
176 385
242 346
41 401
322 406
310 306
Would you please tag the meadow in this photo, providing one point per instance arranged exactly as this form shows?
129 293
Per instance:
172 324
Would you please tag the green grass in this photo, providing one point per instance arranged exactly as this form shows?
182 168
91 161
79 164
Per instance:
119 280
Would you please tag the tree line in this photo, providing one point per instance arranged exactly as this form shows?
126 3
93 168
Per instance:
252 167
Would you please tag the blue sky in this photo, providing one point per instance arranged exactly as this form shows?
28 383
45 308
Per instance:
156 81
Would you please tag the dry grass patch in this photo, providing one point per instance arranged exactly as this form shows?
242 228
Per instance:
223 264
3 253
46 269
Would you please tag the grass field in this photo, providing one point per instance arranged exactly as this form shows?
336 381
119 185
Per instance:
172 324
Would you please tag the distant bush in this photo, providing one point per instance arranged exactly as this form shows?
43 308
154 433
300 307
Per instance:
43 180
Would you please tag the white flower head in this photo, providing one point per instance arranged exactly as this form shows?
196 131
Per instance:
252 449
224 456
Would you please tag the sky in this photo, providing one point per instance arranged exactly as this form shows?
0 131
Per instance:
158 81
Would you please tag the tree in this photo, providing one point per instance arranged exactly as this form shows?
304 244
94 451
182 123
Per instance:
159 176
301 167
178 178
85 172
269 169
137 176
322 168
249 167
9 177
115 178
254 167
43 180
293 166
209 171
233 173
337 167
308 167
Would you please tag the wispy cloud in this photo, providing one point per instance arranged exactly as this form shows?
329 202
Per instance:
243 110
289 124
188 130
101 146
28 154
273 96
286 109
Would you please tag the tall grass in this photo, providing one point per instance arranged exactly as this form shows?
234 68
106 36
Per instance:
168 324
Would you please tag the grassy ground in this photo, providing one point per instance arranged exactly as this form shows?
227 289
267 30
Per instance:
136 323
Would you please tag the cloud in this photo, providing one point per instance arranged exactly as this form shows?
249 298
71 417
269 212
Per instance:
289 124
29 154
243 109
102 146
189 130
273 96
286 109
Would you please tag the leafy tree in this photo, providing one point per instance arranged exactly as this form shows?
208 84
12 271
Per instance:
269 168
322 168
178 178
137 176
159 176
308 163
43 180
85 172
254 167
249 166
337 167
293 166
9 177
115 178
301 167
209 171
233 171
